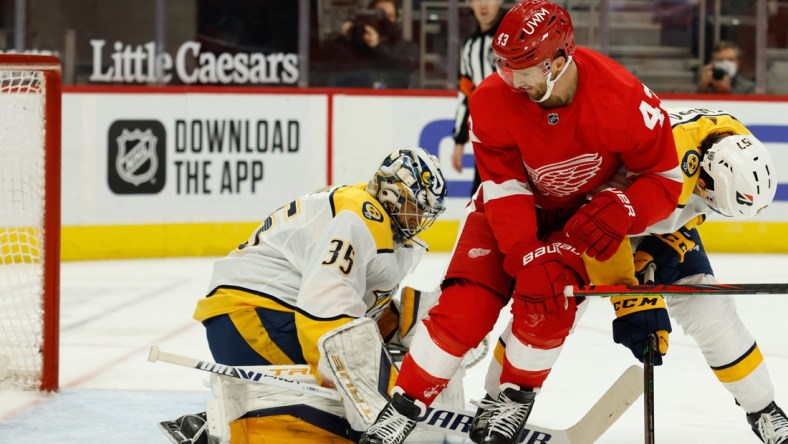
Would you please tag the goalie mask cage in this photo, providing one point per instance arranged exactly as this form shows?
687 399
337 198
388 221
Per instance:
30 88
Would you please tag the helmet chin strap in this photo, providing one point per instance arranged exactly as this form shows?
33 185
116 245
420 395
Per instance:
551 83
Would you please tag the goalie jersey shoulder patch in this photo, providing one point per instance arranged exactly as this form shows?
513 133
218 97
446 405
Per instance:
356 200
371 212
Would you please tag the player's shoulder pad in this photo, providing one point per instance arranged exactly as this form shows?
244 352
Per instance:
356 200
712 120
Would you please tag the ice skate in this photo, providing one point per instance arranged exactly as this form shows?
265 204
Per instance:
480 419
770 424
395 421
506 416
188 429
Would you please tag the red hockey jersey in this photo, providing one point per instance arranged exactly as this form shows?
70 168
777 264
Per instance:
531 157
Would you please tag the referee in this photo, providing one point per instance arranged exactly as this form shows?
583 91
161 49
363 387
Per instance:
476 63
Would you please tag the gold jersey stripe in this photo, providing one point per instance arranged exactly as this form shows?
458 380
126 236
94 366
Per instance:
255 334
282 428
309 331
499 351
228 300
741 368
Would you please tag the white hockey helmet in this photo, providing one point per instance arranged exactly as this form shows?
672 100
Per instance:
740 176
410 175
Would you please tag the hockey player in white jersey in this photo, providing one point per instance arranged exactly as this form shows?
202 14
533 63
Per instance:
312 267
729 172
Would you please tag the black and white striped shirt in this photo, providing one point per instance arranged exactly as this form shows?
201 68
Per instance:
476 63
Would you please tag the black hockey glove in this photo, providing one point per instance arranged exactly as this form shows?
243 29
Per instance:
658 257
636 319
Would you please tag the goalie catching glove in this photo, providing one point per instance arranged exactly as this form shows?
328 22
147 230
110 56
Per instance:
636 319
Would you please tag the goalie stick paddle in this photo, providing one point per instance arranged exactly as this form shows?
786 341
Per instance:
445 419
606 411
674 290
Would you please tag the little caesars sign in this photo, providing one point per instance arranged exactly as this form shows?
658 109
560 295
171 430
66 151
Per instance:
142 64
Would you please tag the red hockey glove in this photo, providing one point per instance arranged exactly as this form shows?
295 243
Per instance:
540 276
599 226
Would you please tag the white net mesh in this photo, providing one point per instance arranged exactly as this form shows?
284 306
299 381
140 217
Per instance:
22 199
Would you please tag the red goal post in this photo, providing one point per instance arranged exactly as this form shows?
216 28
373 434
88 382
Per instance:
30 133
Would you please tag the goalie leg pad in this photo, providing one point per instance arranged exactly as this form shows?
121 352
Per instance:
453 395
361 368
243 412
414 307
228 404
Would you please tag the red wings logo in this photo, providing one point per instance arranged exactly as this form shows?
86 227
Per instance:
567 177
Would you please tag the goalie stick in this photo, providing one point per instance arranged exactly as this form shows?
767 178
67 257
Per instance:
449 420
272 378
674 290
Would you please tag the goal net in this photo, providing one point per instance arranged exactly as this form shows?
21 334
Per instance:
29 221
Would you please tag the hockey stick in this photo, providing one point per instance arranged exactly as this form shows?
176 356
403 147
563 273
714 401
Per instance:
674 290
648 388
606 411
272 378
445 419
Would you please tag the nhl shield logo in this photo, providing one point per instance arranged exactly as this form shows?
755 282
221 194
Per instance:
552 118
136 161
136 157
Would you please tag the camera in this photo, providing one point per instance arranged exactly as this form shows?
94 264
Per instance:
718 73
375 18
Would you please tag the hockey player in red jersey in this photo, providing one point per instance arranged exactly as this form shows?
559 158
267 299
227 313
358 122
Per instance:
554 125
729 172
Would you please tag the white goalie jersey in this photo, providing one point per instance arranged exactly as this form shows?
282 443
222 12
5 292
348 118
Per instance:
328 257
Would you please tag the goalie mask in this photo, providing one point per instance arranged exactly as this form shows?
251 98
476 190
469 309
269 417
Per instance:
740 176
527 40
410 186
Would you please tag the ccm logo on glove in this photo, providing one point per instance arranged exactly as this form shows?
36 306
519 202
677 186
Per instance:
636 319
623 305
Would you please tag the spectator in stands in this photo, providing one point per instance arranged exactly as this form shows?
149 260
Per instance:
721 74
476 63
370 51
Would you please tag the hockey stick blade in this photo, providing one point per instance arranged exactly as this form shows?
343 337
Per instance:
440 418
606 411
674 290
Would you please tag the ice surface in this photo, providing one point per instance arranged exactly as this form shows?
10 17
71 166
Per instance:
113 311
